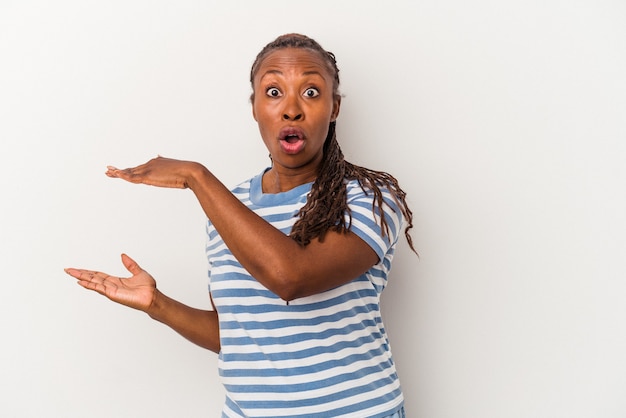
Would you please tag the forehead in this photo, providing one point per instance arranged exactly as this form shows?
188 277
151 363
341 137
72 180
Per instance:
296 60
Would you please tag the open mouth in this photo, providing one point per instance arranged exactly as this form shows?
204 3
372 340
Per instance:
291 134
291 140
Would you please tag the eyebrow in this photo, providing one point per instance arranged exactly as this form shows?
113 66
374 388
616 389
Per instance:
311 72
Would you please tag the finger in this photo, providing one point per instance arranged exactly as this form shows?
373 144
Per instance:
132 175
95 286
81 274
112 171
87 276
89 279
131 265
72 272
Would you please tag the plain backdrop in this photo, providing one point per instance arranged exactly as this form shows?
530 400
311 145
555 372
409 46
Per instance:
505 121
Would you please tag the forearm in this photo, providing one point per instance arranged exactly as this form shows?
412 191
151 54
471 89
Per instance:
267 253
201 327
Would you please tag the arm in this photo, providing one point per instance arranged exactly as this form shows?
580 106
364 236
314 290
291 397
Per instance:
198 326
139 292
274 259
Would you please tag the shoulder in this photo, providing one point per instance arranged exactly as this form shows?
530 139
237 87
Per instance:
363 195
375 215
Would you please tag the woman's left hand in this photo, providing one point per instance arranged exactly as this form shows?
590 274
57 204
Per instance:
160 172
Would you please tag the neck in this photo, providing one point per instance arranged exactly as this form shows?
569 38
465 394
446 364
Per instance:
275 181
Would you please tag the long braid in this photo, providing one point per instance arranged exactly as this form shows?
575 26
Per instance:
327 203
326 208
327 200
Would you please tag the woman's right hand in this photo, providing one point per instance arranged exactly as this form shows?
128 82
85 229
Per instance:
160 172
138 291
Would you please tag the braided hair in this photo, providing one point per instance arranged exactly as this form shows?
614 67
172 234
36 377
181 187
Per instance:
327 203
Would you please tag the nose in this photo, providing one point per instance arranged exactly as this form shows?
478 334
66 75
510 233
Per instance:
292 110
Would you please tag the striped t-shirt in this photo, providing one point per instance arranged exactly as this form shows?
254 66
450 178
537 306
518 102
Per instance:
325 355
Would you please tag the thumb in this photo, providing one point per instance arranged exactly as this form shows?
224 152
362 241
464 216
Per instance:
131 265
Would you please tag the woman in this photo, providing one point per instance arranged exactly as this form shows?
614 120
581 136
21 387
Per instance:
298 256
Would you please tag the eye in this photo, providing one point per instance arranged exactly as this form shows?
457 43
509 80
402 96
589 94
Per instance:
273 92
311 92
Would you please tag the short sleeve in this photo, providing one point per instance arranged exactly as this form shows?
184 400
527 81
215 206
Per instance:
366 219
210 235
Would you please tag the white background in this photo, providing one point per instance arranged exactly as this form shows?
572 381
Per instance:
504 122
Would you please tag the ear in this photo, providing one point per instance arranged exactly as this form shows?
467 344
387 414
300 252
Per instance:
253 109
336 106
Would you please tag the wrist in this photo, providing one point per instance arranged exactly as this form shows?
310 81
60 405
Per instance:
196 175
157 307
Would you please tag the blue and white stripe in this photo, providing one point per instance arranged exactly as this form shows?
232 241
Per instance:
325 355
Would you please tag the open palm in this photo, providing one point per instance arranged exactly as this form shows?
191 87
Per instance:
137 291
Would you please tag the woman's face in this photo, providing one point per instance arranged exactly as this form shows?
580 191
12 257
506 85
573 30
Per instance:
293 104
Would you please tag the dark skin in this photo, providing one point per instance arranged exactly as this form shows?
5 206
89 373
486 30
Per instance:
293 93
